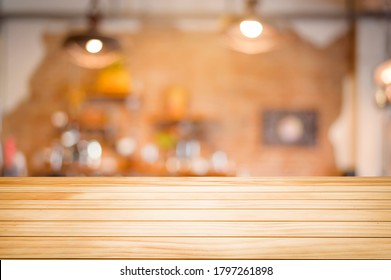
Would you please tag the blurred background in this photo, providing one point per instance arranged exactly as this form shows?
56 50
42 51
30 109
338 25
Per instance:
195 88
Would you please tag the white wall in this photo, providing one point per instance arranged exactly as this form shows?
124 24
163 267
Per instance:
370 53
22 53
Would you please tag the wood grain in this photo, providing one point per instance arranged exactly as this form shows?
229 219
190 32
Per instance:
195 218
192 189
196 204
195 229
198 215
197 181
196 196
194 248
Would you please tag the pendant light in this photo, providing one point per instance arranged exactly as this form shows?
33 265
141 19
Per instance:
248 34
382 75
91 48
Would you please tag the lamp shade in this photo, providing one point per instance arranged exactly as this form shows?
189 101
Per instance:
92 49
251 36
383 74
382 78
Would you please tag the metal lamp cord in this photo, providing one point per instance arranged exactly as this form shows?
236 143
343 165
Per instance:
251 6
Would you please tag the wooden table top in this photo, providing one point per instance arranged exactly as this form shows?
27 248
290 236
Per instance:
195 218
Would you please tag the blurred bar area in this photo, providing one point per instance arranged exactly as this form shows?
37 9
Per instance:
195 88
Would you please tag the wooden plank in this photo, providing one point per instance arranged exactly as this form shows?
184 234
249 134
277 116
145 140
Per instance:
231 218
196 229
190 189
198 196
198 215
193 248
198 181
196 204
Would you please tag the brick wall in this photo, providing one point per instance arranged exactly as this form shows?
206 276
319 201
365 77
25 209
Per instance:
229 88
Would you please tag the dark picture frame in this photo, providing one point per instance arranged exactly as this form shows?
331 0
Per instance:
289 127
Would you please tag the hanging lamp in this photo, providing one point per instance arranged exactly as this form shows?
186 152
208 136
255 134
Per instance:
248 34
382 75
383 83
91 48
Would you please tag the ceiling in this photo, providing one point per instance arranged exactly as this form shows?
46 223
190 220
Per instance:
207 7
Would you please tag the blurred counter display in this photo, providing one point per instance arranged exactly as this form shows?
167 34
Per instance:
181 146
185 150
12 160
98 141
98 136
90 136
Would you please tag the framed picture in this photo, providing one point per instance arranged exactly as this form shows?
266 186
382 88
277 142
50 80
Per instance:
289 127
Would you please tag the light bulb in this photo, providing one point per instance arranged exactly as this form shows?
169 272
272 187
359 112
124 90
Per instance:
385 76
251 28
94 46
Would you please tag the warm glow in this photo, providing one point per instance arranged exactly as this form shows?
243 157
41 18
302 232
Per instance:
385 76
94 46
251 28
94 150
381 98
